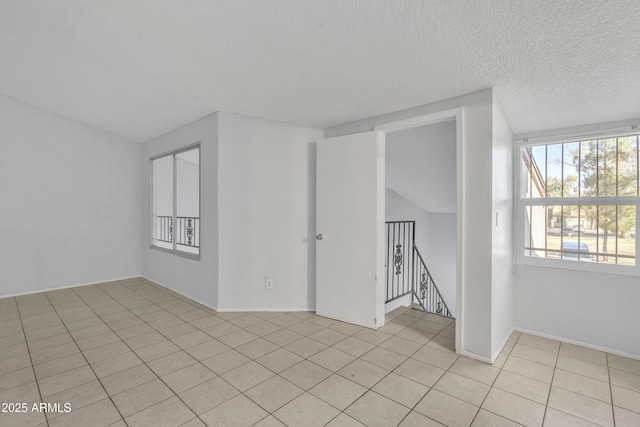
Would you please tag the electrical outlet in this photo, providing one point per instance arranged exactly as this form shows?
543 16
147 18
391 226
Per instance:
268 284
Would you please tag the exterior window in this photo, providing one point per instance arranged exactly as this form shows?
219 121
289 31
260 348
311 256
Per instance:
578 201
175 202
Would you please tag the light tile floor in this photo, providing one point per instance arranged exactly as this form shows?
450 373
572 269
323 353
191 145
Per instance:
133 353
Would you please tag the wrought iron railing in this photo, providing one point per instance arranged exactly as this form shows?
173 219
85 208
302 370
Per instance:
407 273
425 289
400 259
187 231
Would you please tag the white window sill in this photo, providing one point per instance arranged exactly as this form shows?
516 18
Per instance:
589 267
195 257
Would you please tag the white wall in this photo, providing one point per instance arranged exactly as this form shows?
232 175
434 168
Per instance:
441 253
477 204
593 309
502 260
421 165
397 208
70 202
196 279
266 201
598 310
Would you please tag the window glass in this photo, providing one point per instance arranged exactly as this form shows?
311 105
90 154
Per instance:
188 200
175 213
628 166
554 170
607 168
588 233
162 210
591 191
570 169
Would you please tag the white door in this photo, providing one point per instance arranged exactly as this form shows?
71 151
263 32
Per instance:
350 229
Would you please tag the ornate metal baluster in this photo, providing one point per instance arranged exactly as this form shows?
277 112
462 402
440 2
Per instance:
418 281
189 231
398 259
171 229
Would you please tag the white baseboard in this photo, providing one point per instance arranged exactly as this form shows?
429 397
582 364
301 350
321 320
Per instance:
477 357
501 346
579 343
19 294
495 354
157 282
228 309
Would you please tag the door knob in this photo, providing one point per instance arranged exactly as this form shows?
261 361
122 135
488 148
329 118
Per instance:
319 237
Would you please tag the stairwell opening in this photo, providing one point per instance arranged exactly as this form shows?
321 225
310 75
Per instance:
421 214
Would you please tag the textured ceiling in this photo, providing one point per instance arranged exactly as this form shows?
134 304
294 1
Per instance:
421 166
141 68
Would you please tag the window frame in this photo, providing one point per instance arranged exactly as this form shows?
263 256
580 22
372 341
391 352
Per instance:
521 203
173 154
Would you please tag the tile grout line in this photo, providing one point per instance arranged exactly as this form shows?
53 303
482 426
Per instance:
578 393
175 394
144 363
515 373
492 386
555 368
412 409
46 420
271 413
336 373
154 296
112 331
276 374
553 375
303 359
404 326
199 361
613 412
370 389
82 352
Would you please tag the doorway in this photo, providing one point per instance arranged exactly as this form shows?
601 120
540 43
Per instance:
350 223
423 176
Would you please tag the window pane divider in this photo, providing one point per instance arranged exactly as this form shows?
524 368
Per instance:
174 217
556 222
584 200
